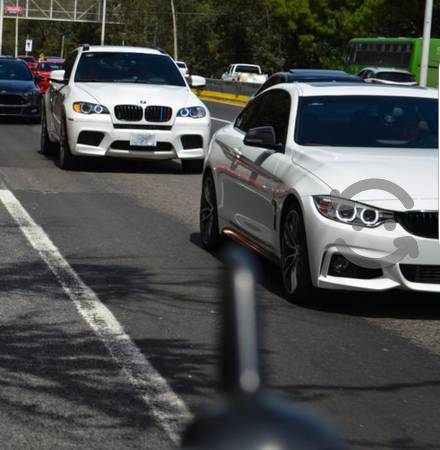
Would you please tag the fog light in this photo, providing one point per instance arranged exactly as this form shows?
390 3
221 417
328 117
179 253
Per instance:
340 265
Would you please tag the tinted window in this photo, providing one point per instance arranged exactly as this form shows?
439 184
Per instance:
14 70
247 69
69 63
118 67
48 67
269 109
272 81
368 121
396 76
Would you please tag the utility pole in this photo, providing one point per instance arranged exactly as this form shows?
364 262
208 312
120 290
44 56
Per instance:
173 11
426 42
2 11
16 31
62 46
104 13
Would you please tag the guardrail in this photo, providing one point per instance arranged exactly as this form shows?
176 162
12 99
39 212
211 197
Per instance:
232 92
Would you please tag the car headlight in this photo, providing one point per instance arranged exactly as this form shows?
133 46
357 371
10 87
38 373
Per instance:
194 112
89 108
351 212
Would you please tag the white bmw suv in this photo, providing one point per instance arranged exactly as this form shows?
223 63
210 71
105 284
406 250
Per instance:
124 102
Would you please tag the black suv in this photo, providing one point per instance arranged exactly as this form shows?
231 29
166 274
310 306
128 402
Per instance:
19 96
309 76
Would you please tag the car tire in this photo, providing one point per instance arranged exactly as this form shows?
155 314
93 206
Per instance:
46 146
192 165
209 228
66 161
295 270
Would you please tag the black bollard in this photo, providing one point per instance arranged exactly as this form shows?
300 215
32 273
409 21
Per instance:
248 418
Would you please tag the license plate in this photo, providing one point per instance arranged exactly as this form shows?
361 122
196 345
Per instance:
143 140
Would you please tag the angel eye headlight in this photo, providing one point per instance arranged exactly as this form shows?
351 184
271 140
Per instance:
89 108
195 112
352 213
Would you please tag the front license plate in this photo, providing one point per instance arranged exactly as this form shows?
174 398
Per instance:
143 140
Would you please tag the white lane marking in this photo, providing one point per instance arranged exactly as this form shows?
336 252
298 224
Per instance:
220 120
164 405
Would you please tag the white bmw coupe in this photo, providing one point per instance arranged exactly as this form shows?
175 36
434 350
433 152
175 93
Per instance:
338 183
125 102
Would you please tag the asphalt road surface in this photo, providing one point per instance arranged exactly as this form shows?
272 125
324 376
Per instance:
109 314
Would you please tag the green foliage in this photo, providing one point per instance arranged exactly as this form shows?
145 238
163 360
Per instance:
276 34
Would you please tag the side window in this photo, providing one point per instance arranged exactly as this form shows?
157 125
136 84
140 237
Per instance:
248 118
69 63
275 112
269 109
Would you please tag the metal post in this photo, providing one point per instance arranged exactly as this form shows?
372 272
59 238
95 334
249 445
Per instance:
173 11
426 41
16 31
62 46
2 9
104 13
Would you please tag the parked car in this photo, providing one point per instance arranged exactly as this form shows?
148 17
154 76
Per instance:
309 76
42 72
249 73
123 102
297 177
19 96
387 75
183 68
29 60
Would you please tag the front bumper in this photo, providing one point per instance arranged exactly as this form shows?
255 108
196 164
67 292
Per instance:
368 245
170 147
26 111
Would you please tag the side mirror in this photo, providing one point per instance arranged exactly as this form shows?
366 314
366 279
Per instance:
196 81
57 76
261 137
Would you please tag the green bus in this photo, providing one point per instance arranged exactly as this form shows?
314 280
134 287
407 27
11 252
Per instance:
400 53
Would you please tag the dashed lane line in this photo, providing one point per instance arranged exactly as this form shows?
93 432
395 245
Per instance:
220 120
165 406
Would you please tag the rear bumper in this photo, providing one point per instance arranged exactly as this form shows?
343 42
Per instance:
114 142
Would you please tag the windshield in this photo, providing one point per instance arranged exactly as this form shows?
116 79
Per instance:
181 65
48 67
118 67
368 121
396 76
247 69
14 70
27 58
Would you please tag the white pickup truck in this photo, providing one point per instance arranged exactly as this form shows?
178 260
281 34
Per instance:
249 73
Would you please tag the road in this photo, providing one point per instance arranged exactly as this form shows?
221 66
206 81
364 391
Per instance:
109 317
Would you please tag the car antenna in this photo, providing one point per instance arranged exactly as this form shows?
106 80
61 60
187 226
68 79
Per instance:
248 417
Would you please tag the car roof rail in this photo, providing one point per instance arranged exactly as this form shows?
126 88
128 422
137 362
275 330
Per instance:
85 47
164 52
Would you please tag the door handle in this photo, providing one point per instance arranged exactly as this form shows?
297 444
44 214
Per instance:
236 152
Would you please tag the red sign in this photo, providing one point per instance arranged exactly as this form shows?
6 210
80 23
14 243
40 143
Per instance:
14 9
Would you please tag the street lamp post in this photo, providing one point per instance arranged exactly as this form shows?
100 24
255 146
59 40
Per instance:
426 42
173 11
104 13
2 10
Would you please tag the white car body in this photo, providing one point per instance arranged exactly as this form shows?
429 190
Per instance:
376 75
253 186
237 72
167 134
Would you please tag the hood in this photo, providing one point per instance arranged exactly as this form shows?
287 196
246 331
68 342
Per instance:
16 86
413 170
134 94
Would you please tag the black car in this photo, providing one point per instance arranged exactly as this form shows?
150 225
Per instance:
19 96
309 76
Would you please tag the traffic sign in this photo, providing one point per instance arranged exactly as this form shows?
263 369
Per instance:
28 46
13 9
